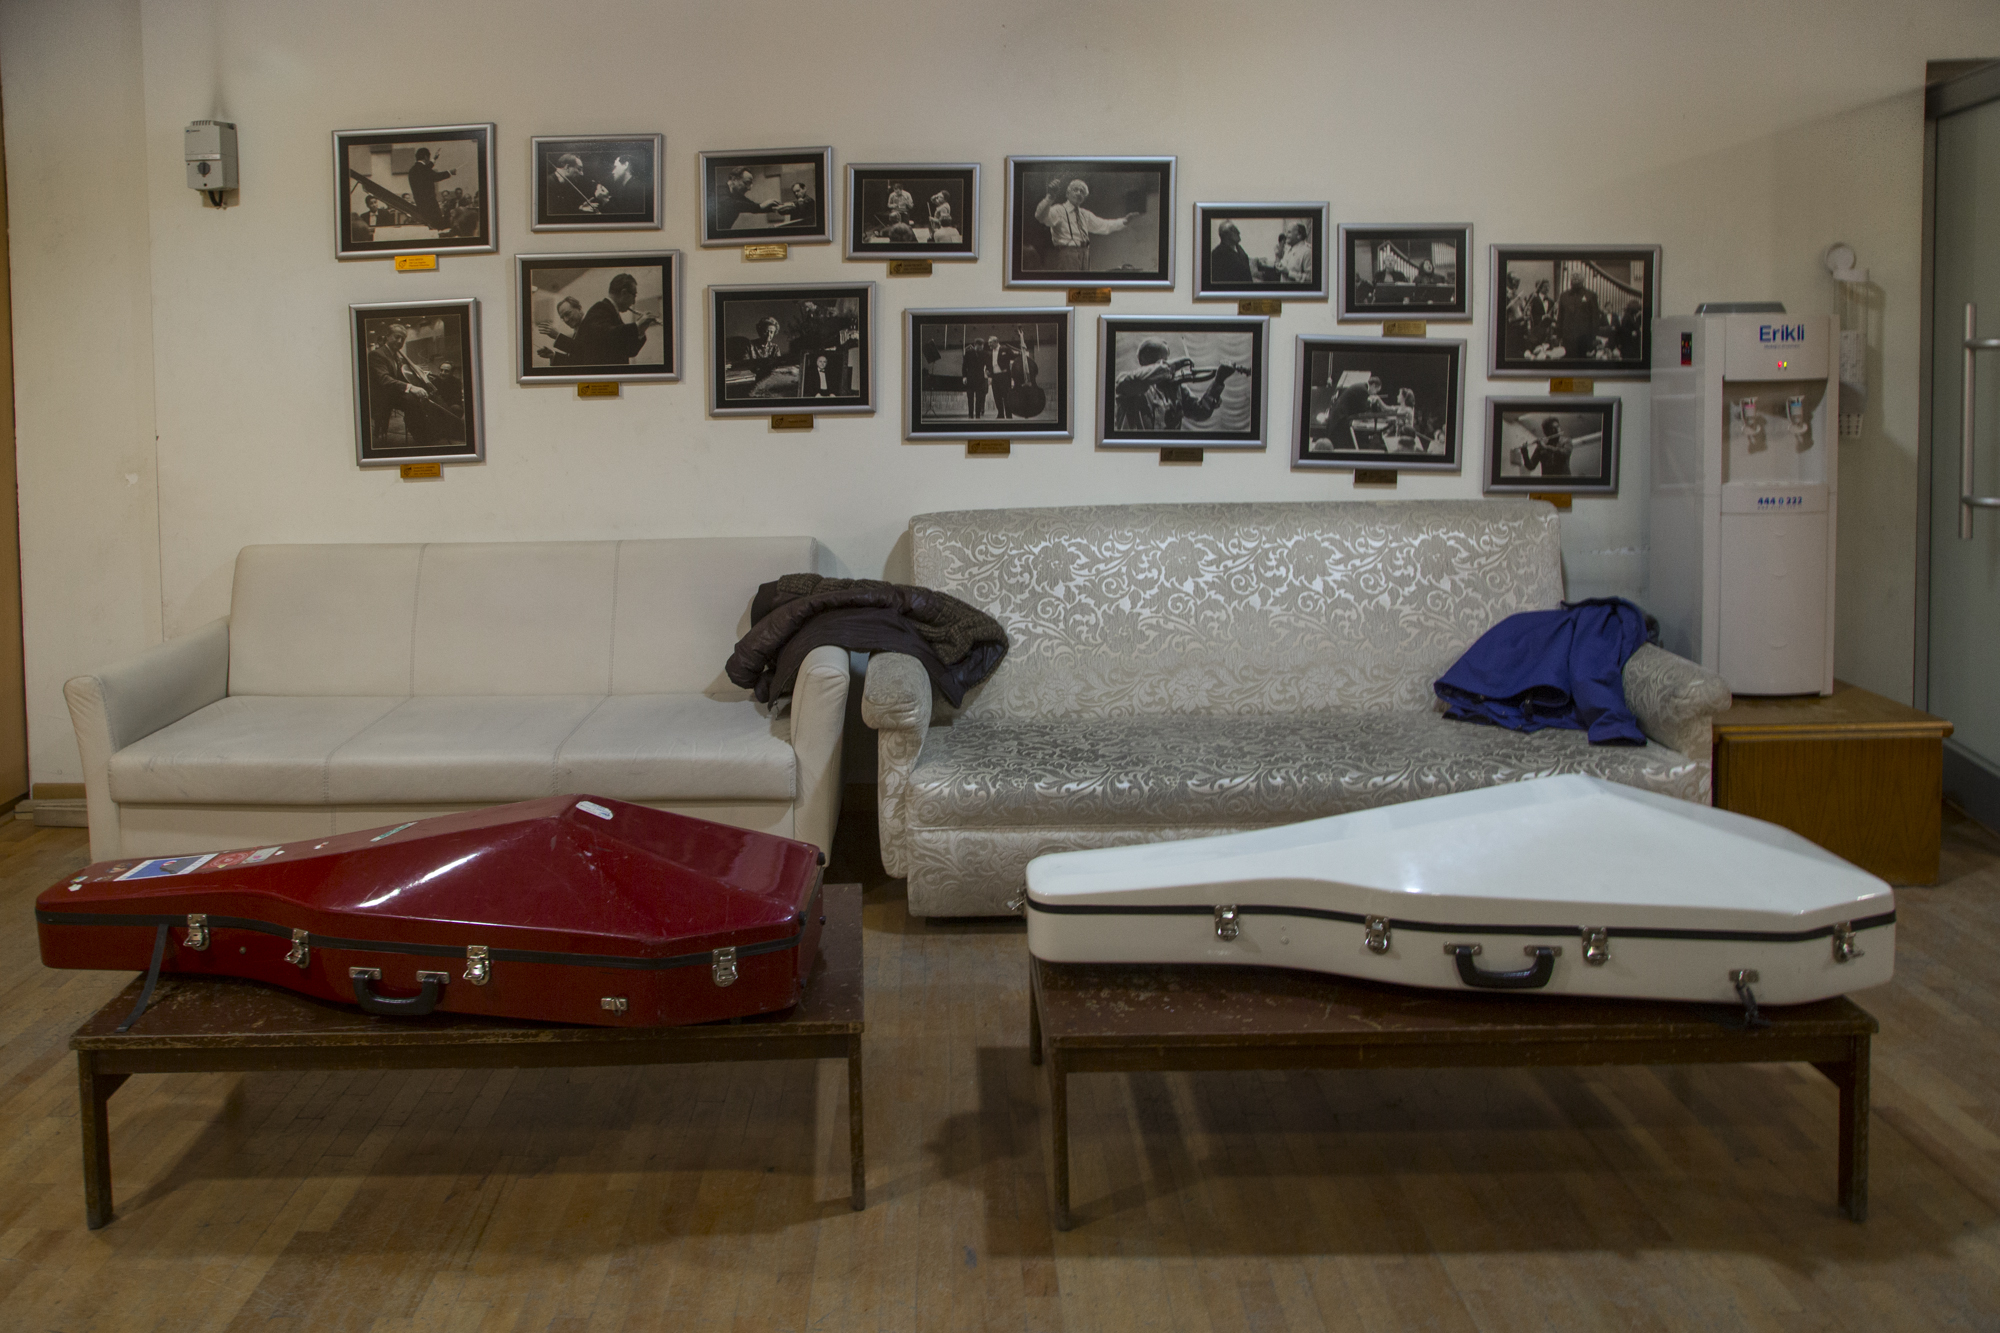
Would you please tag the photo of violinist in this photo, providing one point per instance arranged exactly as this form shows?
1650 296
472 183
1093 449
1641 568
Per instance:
792 348
751 198
1378 403
1276 251
416 382
596 183
1191 381
1405 272
1561 310
913 211
414 191
1000 373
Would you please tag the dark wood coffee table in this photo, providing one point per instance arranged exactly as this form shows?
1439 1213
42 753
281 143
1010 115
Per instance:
208 1025
1096 1018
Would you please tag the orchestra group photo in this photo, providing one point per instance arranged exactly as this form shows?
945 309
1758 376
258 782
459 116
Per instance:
912 212
1590 313
412 191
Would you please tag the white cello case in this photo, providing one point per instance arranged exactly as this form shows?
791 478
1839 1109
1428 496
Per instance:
1559 886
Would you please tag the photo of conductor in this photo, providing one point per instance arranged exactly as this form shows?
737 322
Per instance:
749 198
1405 272
1552 444
1587 312
1380 402
1103 221
416 369
988 372
426 192
1260 250
1181 381
912 211
801 348
599 316
598 183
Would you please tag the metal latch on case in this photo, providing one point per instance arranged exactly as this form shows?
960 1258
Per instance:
197 936
613 1004
1596 945
1226 927
301 950
478 970
1377 938
724 966
1845 950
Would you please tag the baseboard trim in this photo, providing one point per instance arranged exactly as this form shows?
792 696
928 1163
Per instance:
1971 785
53 813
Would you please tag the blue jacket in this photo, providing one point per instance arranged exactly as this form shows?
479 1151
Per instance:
1552 669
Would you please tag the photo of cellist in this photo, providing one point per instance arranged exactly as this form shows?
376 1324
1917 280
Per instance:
1188 381
912 210
1000 372
416 386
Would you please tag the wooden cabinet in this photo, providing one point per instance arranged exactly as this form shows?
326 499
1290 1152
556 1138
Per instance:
1861 775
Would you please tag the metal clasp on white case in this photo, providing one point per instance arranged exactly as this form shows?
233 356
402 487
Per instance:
724 969
197 936
478 970
1845 950
1225 922
1596 945
300 951
1377 938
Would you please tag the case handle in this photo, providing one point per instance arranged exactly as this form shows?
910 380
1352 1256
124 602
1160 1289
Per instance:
409 1006
1533 977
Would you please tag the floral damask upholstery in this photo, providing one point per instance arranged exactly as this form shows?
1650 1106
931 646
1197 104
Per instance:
1180 670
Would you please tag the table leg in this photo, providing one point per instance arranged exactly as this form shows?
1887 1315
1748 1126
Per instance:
1851 1077
1059 1136
93 1096
1034 1023
857 1152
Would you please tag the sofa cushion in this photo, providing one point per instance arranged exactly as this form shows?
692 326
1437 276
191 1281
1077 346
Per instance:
520 618
307 620
668 747
1210 772
440 748
245 750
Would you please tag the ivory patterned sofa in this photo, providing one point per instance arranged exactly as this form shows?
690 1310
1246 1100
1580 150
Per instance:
360 685
1182 670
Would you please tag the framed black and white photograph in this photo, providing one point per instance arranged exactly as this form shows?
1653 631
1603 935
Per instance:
1552 444
788 347
416 382
1090 222
1378 403
1407 271
1584 310
767 195
422 190
988 373
598 316
1192 380
599 182
913 211
1251 251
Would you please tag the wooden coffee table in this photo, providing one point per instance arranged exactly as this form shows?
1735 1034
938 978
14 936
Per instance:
1098 1018
209 1025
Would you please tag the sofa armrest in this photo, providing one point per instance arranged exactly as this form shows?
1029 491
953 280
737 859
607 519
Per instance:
896 701
1675 700
132 699
819 718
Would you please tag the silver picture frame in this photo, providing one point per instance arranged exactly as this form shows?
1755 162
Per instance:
547 353
1437 363
1434 303
425 415
792 167
602 197
1025 264
1518 428
925 185
923 371
1262 279
365 205
1518 348
743 385
1132 417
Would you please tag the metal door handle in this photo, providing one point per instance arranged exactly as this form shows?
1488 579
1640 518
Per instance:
1967 501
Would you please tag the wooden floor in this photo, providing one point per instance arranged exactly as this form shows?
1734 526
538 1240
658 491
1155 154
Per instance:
715 1197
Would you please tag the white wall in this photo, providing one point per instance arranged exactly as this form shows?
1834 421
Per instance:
1743 139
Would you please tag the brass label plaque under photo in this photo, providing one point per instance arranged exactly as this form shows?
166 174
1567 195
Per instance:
777 251
1090 296
1560 499
1405 328
422 471
1374 476
1174 455
1263 305
988 448
416 263
792 421
601 389
1585 387
909 268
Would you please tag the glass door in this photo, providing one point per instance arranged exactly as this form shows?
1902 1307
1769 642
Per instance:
1964 611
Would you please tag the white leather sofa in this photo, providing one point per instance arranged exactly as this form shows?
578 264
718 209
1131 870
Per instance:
1183 670
361 685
